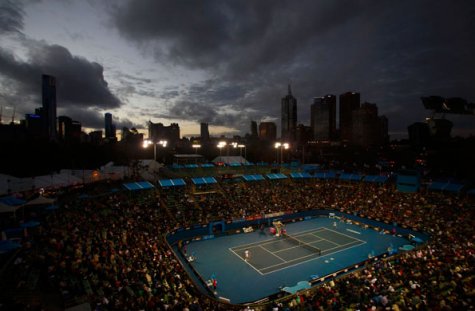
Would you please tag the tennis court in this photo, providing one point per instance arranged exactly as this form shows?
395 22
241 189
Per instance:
287 251
321 247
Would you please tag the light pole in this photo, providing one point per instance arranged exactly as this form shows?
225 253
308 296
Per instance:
196 146
148 142
221 145
282 146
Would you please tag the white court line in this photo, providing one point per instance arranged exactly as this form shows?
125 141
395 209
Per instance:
286 239
302 233
349 236
258 271
343 245
310 259
271 240
274 254
329 249
322 239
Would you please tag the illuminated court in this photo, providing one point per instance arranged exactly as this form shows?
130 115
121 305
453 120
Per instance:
284 252
313 248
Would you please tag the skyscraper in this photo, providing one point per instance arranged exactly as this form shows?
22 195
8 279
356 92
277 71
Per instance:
289 116
49 106
349 102
323 117
68 129
367 127
254 129
157 132
109 127
204 133
267 131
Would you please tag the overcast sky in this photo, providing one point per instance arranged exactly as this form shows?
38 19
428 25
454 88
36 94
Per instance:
229 62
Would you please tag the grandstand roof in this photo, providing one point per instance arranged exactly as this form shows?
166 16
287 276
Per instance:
300 175
141 185
204 180
276 176
172 182
253 177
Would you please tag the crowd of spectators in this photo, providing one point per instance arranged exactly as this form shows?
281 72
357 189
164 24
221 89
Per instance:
110 250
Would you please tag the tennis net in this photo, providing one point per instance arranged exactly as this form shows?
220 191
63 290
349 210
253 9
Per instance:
302 244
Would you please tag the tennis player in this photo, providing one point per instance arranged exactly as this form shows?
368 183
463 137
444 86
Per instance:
247 255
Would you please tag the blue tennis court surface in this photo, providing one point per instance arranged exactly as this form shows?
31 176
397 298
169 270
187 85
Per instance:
281 253
318 248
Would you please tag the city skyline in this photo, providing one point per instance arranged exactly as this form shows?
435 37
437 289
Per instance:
231 63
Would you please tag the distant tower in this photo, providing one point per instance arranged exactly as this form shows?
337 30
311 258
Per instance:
204 132
254 129
267 131
49 106
289 116
157 132
366 130
109 127
349 102
323 117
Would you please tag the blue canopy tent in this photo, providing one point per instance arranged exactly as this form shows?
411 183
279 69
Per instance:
300 175
325 175
192 166
141 185
234 164
256 177
172 182
445 186
310 168
276 176
207 165
350 177
204 180
375 179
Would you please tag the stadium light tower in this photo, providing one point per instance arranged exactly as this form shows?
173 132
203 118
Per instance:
221 145
281 146
148 142
196 146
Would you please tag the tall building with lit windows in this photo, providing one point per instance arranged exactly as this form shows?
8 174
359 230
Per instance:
288 116
349 102
204 131
323 117
109 127
267 131
49 106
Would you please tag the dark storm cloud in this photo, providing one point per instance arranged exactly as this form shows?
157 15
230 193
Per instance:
92 118
89 118
80 83
393 52
11 17
194 111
